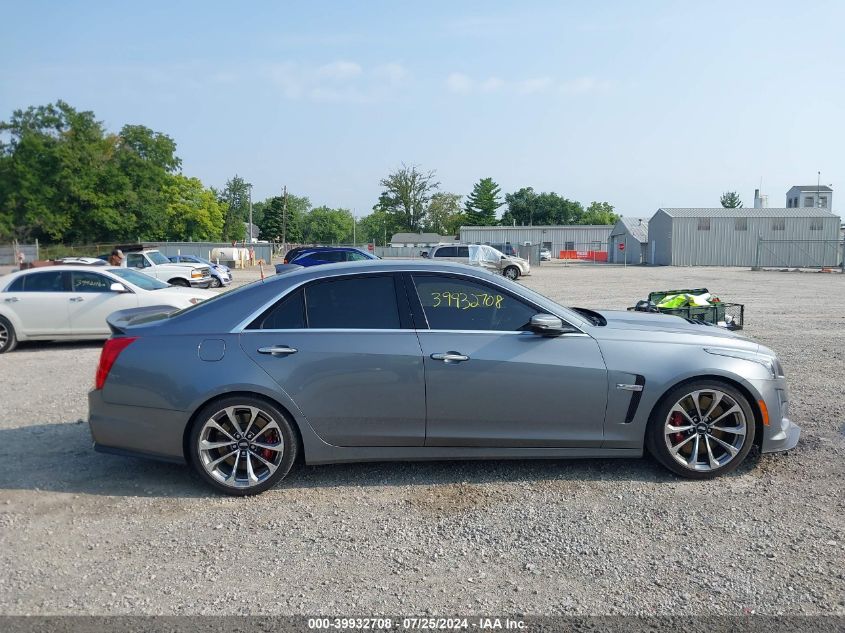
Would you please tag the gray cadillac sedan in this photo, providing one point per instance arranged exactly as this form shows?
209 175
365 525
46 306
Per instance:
405 360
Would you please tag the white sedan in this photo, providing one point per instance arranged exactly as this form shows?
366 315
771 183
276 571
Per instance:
72 302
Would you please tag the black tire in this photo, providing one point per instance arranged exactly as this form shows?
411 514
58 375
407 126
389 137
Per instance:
178 281
8 339
202 458
215 283
511 272
659 434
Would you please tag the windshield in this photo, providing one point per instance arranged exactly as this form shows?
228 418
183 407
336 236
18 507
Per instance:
145 282
157 258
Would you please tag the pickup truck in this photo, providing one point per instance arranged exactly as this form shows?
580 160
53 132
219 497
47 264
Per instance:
154 264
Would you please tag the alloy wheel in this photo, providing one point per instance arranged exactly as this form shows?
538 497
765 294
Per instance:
241 446
705 430
4 336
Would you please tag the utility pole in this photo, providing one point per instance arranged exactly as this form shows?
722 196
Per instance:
249 229
284 215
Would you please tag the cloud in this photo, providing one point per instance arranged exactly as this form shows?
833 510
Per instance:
459 83
462 84
340 70
338 81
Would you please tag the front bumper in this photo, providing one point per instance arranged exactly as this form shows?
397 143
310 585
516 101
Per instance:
781 434
205 282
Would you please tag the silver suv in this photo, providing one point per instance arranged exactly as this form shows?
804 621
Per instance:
482 255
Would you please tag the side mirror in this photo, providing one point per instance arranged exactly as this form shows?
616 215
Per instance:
118 287
547 325
504 256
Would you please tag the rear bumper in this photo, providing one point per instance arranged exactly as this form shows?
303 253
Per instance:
141 431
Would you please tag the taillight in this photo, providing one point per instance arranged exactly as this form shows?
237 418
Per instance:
111 350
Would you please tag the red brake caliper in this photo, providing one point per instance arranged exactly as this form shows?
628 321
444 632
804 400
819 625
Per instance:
677 420
266 453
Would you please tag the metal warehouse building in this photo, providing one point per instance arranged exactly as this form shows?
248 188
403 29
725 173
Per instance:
795 237
556 238
633 233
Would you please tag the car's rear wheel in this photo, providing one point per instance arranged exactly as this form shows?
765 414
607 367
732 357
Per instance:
242 445
701 429
511 272
179 282
8 339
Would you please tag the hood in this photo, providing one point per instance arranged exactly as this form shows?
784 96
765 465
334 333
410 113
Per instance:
664 323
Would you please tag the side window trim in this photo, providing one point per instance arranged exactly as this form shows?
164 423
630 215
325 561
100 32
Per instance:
419 313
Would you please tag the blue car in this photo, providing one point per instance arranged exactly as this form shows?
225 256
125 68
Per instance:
317 255
220 275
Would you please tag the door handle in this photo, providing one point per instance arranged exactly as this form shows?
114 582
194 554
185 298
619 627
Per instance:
75 299
450 357
11 300
277 350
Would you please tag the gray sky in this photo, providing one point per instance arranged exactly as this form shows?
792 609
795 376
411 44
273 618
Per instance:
642 104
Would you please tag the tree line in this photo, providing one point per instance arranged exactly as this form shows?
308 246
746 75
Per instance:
65 178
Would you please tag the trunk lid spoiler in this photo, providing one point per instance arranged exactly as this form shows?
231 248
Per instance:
119 321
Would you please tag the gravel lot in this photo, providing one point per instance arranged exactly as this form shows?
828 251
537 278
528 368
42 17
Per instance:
85 533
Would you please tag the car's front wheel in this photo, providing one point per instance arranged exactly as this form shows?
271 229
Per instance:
215 283
701 429
242 445
8 340
511 272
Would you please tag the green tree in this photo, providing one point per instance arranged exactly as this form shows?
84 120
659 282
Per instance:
146 159
192 211
599 213
378 227
482 203
730 200
276 221
444 214
235 202
328 226
528 208
406 194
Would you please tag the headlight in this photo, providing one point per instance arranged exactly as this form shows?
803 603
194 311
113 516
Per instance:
194 300
771 363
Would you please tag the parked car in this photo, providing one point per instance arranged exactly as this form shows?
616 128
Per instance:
72 302
482 255
319 255
416 360
545 255
221 275
507 248
153 263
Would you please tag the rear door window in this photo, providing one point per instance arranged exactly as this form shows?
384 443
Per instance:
447 251
52 281
463 251
353 303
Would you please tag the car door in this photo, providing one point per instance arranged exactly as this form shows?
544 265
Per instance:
492 382
346 353
41 301
92 300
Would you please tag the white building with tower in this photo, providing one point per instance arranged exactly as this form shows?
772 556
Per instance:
810 196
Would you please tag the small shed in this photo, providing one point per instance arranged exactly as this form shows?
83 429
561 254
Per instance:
633 233
799 237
